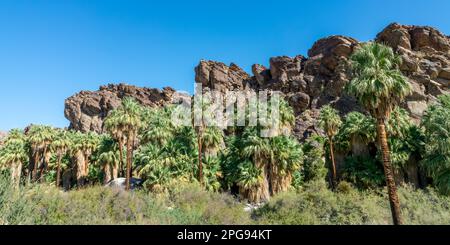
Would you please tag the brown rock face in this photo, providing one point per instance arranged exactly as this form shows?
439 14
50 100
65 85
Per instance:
426 60
308 83
87 110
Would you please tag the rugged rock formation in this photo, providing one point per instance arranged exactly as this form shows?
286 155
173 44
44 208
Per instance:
307 83
87 110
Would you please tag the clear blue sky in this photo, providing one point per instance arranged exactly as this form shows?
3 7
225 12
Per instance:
50 50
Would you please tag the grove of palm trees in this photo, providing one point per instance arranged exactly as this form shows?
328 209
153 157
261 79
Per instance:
349 172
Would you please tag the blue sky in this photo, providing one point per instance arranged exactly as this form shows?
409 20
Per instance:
50 50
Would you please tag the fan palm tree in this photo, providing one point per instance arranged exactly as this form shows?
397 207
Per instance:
125 123
330 122
40 138
379 86
436 123
158 128
287 117
60 146
357 129
89 143
77 156
287 158
13 154
259 151
108 158
212 140
114 127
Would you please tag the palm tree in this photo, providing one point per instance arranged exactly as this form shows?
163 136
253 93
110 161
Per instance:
287 158
125 123
60 146
379 86
40 138
287 117
77 156
259 151
108 158
212 139
158 128
13 154
89 143
330 122
436 123
356 130
115 129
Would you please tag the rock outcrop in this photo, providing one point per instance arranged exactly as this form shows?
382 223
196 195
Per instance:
87 110
307 82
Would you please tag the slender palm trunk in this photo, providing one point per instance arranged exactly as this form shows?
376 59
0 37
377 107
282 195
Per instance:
44 164
333 163
121 157
16 170
129 160
58 170
115 170
79 160
107 172
264 189
36 164
200 164
86 164
392 189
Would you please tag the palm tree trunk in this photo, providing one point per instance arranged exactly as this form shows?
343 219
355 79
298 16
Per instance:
79 160
36 164
264 188
390 182
121 157
115 170
129 159
44 164
107 172
58 170
200 165
333 163
16 171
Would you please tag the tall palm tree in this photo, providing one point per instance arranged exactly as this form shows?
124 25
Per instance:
125 123
108 158
40 138
90 142
77 156
379 86
259 151
13 154
60 146
114 127
287 158
330 122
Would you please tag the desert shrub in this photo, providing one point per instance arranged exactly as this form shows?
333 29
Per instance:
314 161
183 204
424 207
363 171
187 203
316 204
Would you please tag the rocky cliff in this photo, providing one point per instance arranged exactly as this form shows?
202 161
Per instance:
308 82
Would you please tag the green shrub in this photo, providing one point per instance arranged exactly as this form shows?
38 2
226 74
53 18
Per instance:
363 171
